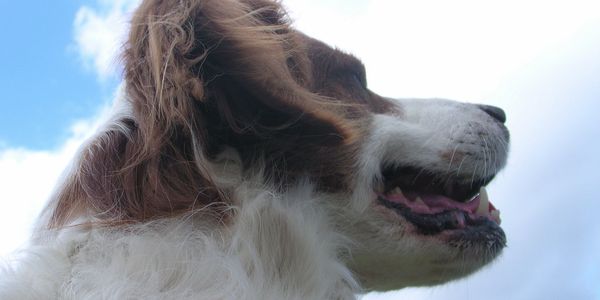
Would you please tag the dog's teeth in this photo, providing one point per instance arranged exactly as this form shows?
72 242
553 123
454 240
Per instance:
496 216
420 201
397 191
484 203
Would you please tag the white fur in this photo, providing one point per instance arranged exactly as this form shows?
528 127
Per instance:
279 247
421 133
300 244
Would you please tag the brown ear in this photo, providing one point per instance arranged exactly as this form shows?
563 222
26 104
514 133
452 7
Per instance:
239 60
115 180
197 72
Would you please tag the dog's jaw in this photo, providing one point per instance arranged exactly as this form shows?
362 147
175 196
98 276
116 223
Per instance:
395 256
457 141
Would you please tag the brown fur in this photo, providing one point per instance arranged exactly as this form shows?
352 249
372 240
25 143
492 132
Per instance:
204 74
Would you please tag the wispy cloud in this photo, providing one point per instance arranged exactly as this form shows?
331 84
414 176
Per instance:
99 34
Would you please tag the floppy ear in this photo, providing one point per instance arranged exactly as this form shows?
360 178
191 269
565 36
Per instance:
115 180
238 60
196 72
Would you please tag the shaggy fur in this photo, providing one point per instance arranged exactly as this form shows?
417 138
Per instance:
249 161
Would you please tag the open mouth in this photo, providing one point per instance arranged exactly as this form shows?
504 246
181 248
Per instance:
434 204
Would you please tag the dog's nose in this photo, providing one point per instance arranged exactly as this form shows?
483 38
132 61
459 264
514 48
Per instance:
495 112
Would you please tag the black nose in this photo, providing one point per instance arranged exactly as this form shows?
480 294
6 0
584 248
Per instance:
496 112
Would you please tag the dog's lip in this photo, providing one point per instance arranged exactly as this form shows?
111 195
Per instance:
436 213
429 182
479 205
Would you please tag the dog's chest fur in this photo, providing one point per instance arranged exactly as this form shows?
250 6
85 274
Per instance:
279 247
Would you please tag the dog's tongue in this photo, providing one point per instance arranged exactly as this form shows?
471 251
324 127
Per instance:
432 204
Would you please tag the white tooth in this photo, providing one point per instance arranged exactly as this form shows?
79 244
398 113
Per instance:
397 191
496 216
484 203
420 201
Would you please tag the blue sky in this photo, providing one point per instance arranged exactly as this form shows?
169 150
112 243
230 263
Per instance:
45 87
537 59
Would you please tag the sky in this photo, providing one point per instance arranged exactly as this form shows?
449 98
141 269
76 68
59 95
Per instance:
536 59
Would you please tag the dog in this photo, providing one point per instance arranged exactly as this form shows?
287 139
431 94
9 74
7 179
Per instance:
247 160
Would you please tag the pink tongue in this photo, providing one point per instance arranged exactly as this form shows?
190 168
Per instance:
433 204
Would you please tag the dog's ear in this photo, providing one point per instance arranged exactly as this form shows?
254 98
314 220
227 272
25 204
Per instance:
195 71
117 180
189 62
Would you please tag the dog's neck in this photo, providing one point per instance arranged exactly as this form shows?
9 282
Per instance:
289 243
276 246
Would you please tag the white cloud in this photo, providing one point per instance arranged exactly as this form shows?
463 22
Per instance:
28 178
458 49
100 33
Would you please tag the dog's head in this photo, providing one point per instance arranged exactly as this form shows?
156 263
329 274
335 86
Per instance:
206 76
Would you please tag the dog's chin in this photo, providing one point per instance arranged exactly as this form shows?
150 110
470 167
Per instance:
425 260
434 231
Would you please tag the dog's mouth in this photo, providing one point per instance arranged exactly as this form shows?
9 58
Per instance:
434 205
